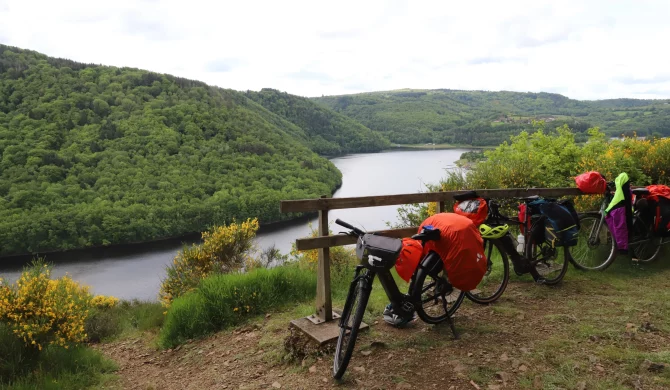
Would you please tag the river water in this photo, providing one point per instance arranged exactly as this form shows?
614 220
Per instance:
135 271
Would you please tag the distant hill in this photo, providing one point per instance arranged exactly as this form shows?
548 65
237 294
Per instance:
327 131
488 118
94 155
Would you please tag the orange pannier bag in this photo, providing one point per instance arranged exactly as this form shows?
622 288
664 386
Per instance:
591 183
476 209
410 255
461 248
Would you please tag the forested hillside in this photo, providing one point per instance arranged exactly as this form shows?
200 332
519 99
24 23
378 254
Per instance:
488 118
327 132
92 155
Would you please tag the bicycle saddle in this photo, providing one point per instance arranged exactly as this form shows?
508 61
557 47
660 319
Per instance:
466 195
640 191
427 235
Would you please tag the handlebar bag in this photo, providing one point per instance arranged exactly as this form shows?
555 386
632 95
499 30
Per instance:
385 249
460 247
476 209
591 183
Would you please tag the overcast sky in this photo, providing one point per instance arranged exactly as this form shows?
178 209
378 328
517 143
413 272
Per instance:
581 49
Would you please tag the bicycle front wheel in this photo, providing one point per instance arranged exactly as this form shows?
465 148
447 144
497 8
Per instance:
436 299
596 248
496 278
550 262
352 316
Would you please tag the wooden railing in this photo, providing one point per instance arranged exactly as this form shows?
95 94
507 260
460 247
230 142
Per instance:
325 241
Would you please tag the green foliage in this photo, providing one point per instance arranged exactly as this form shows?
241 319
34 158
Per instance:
124 318
326 131
95 155
54 368
489 118
225 300
224 249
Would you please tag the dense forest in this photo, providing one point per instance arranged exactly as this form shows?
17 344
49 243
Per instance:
92 155
489 118
328 132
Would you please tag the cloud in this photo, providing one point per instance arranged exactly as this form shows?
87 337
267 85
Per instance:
151 28
309 75
223 65
657 79
341 34
586 50
493 60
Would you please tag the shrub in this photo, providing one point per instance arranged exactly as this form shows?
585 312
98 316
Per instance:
224 300
41 311
107 322
104 302
101 325
224 249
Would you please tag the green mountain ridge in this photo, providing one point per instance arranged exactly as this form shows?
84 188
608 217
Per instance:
327 132
94 155
412 116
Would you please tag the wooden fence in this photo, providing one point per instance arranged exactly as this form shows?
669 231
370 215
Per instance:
325 241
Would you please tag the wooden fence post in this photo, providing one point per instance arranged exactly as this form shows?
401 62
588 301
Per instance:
324 304
440 207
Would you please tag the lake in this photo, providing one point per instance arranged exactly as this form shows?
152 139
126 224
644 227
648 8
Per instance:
135 271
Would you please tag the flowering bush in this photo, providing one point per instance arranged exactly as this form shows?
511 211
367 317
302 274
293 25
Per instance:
104 302
224 249
41 311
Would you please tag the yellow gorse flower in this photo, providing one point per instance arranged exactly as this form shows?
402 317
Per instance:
224 249
41 311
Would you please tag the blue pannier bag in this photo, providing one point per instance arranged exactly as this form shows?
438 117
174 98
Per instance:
561 223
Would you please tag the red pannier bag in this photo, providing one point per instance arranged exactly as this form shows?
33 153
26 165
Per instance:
659 197
522 218
461 248
410 255
476 209
591 183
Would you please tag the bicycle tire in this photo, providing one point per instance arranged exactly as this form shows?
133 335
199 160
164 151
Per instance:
595 251
501 256
531 249
653 243
420 289
357 301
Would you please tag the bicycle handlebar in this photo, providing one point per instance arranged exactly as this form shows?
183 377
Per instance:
356 230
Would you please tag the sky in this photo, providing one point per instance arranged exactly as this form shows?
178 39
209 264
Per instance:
581 49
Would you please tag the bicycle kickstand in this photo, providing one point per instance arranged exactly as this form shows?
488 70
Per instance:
450 321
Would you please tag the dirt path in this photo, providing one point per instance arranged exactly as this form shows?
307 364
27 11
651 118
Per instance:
595 335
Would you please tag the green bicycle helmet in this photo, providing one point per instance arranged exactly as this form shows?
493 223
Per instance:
493 232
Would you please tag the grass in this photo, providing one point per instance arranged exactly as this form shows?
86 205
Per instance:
54 368
221 301
123 320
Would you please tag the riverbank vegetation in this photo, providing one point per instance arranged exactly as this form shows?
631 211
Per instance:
489 118
95 155
328 132
545 159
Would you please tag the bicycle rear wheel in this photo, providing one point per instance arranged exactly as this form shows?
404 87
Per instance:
550 262
496 278
646 246
436 299
352 316
596 248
